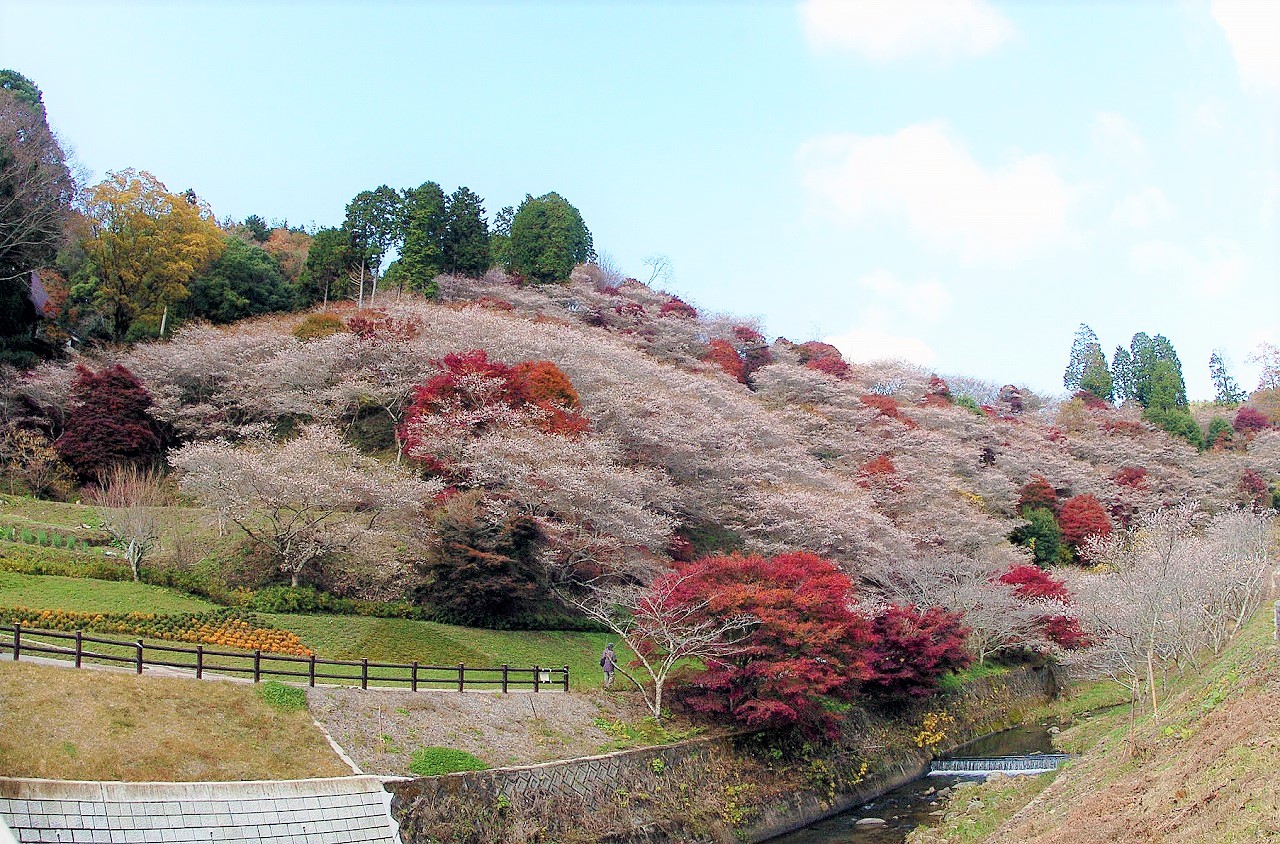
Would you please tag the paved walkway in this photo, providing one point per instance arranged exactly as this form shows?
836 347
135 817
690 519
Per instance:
342 810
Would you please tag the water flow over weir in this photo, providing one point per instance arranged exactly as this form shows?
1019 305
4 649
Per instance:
980 766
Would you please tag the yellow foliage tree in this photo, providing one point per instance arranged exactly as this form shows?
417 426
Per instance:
145 245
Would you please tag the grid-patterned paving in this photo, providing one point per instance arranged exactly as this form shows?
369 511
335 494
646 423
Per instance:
345 810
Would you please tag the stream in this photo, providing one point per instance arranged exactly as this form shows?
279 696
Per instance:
918 803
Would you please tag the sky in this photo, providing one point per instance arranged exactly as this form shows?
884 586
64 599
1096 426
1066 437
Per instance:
959 183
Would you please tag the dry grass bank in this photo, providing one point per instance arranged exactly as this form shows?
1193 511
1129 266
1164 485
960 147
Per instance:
65 724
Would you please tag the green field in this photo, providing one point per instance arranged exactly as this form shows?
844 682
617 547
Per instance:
85 595
334 636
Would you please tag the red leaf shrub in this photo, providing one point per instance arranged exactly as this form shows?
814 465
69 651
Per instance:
937 394
494 304
912 649
1123 427
1253 490
724 355
1038 492
629 309
882 465
1032 582
372 324
677 307
888 406
107 422
1134 477
1091 401
543 384
807 650
752 347
834 367
1081 517
823 357
1065 632
1250 419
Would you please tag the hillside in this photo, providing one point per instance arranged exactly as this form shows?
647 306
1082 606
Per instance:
694 435
1204 771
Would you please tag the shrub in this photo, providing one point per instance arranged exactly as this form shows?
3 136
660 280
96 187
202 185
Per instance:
807 653
1038 492
1134 477
969 404
888 406
1041 534
1253 491
108 422
1219 434
316 326
677 307
724 355
1081 517
912 650
434 761
281 697
1250 420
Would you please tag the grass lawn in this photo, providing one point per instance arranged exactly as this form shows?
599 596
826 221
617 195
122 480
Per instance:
85 595
96 725
400 640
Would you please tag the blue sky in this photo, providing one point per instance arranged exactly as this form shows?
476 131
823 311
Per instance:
960 183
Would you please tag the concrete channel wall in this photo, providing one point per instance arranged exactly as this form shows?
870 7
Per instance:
341 810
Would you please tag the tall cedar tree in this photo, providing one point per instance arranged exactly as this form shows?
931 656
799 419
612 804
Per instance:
108 423
1225 388
808 650
913 649
1087 366
1081 517
425 221
548 238
480 571
466 235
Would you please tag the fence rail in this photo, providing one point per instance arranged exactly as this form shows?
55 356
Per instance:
258 665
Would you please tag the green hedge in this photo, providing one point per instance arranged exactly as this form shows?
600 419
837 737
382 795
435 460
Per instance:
23 560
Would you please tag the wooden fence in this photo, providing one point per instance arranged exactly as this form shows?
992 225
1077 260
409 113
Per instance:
258 665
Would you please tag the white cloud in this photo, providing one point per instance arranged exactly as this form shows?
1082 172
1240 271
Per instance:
885 30
948 198
1252 28
864 343
1142 208
1216 267
1116 135
926 300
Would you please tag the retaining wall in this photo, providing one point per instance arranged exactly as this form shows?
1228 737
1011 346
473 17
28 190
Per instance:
341 810
713 789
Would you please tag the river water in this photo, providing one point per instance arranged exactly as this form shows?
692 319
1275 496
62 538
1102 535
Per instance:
918 803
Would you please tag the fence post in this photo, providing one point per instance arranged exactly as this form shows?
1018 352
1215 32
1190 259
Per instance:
79 647
257 665
566 678
17 640
199 662
504 678
537 677
138 659
364 672
311 671
413 677
462 669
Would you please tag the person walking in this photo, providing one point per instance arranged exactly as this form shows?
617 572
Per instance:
608 661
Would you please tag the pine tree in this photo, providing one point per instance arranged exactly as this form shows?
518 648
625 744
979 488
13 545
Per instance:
422 253
1122 374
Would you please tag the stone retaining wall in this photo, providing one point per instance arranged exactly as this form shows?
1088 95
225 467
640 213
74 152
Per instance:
635 796
342 810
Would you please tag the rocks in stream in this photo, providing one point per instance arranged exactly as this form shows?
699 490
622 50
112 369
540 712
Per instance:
870 822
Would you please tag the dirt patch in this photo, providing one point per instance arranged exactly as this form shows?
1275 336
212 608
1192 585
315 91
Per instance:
380 729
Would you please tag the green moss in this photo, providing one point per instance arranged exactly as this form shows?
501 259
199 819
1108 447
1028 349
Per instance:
281 697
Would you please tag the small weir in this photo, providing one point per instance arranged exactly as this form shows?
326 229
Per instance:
981 766
889 818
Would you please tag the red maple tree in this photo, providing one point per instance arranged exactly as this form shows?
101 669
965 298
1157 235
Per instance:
1038 492
913 649
1083 516
807 649
108 422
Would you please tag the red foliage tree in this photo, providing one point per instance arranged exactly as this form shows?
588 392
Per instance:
888 406
677 307
807 649
724 355
376 325
752 348
1091 401
1038 492
108 422
544 385
1253 490
937 394
1081 517
1134 477
912 649
1250 420
1032 583
823 357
